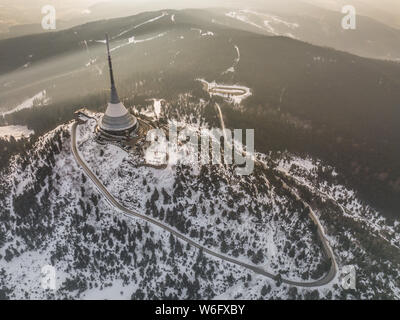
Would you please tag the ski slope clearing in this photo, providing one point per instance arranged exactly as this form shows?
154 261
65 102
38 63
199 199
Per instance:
266 22
235 63
140 25
132 40
29 103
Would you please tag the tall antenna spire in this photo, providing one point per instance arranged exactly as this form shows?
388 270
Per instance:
114 94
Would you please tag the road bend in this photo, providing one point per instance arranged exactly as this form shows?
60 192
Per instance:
130 213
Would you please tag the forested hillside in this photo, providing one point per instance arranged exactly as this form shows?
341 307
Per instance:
306 99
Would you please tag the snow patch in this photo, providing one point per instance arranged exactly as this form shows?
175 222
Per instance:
18 132
132 40
235 63
29 103
141 24
269 24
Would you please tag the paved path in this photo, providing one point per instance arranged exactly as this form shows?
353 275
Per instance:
256 269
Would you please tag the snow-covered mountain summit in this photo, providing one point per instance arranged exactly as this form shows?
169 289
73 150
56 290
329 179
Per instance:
54 214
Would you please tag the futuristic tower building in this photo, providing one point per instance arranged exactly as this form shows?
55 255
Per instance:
117 121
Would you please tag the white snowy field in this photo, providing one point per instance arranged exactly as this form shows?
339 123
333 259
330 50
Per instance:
29 103
18 132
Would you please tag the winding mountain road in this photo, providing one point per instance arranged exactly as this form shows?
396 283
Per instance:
256 269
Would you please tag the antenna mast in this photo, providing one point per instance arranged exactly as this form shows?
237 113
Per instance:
114 94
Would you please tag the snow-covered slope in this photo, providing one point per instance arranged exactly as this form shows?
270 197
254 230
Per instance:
52 214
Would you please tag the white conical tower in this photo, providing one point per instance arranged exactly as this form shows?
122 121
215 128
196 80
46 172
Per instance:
117 120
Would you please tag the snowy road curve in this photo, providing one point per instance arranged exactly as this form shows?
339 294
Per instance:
256 269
